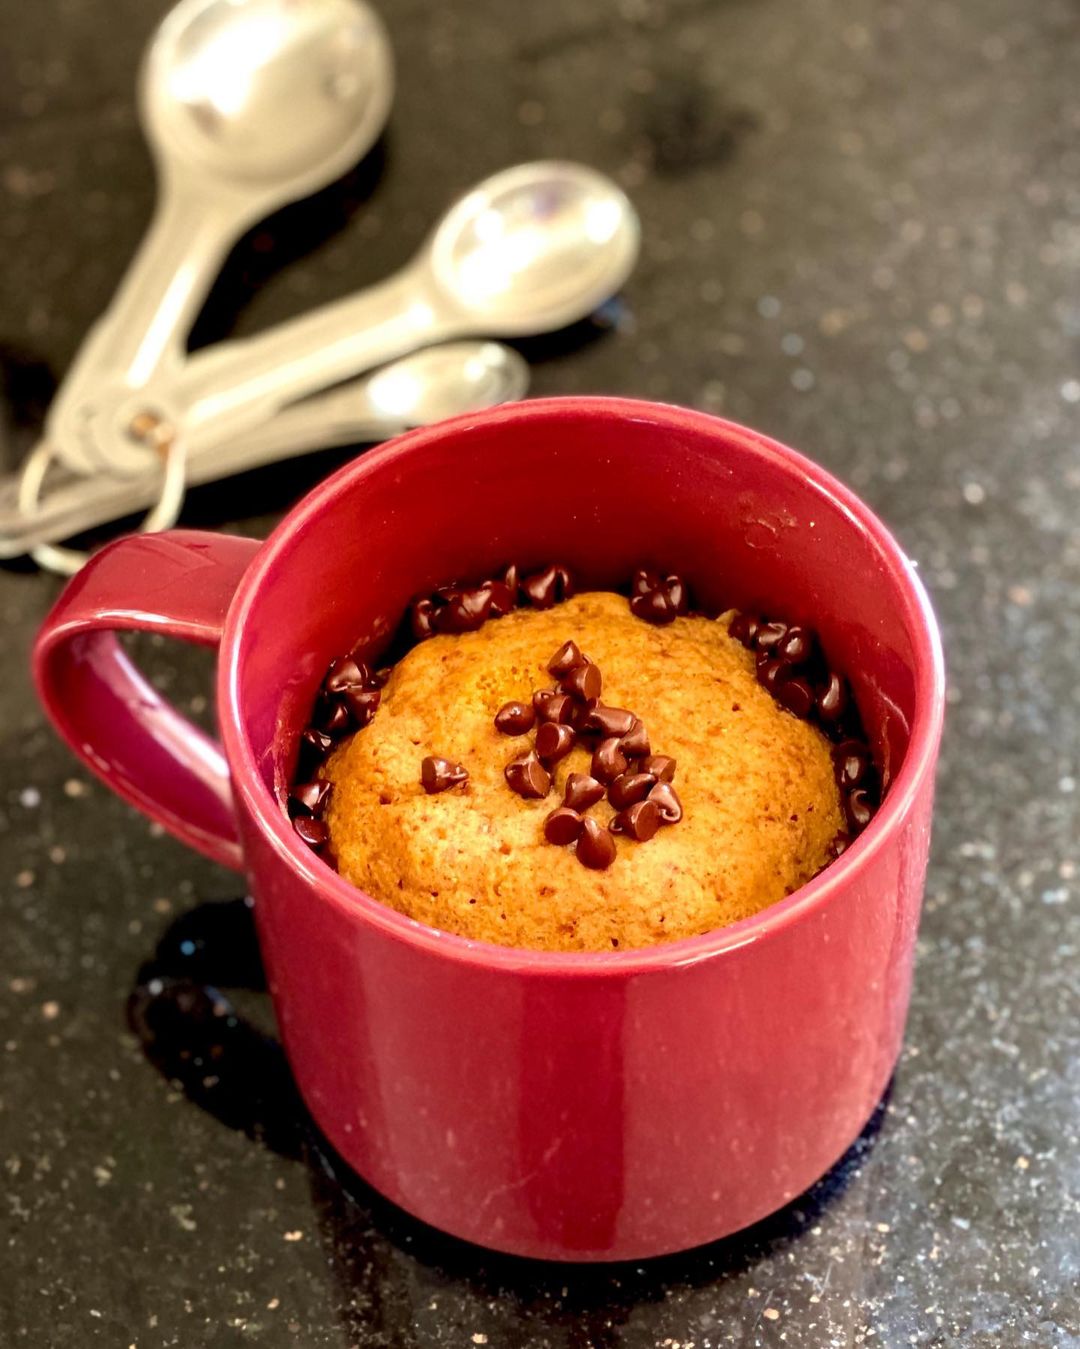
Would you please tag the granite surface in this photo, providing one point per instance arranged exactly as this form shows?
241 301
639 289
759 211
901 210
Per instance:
862 234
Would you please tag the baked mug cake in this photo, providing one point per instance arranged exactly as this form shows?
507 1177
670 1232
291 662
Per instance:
569 1104
583 771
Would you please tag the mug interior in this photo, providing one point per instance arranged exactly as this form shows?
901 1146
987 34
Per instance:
604 485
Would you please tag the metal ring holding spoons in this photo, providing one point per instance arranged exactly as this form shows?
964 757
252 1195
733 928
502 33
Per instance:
162 515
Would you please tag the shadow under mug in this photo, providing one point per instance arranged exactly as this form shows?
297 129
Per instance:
572 1106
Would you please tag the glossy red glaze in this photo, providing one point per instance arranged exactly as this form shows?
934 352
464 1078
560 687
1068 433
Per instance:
582 1106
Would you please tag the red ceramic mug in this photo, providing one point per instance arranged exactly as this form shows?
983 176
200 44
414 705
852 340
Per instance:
567 1106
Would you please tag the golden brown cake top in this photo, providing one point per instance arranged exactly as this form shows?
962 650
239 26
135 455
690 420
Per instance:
761 806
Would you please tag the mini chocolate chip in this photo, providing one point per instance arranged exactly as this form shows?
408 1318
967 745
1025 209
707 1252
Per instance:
503 599
345 673
859 808
464 611
654 607
643 582
608 762
333 717
663 795
542 588
744 628
554 742
316 740
312 831
363 704
851 763
567 658
659 766
515 719
795 646
609 720
438 774
527 776
551 705
772 673
511 578
566 586
562 826
796 695
584 683
421 612
677 593
582 791
630 787
595 846
832 700
639 821
838 845
770 635
310 796
635 743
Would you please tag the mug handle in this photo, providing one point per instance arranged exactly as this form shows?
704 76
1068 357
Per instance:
180 584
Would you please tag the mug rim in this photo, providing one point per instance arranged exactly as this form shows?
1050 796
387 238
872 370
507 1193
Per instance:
919 757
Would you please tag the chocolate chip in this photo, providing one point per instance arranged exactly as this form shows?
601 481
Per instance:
511 578
332 716
345 673
608 762
643 582
527 776
363 704
796 695
655 600
503 599
659 766
654 607
609 720
546 588
583 683
635 743
770 635
838 846
851 762
515 719
317 741
595 846
796 645
562 826
639 821
567 658
663 795
465 610
832 700
630 787
859 808
677 593
744 629
551 705
310 797
438 774
312 831
421 613
772 673
582 791
554 742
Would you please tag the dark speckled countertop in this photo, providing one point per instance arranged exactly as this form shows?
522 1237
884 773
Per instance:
862 235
